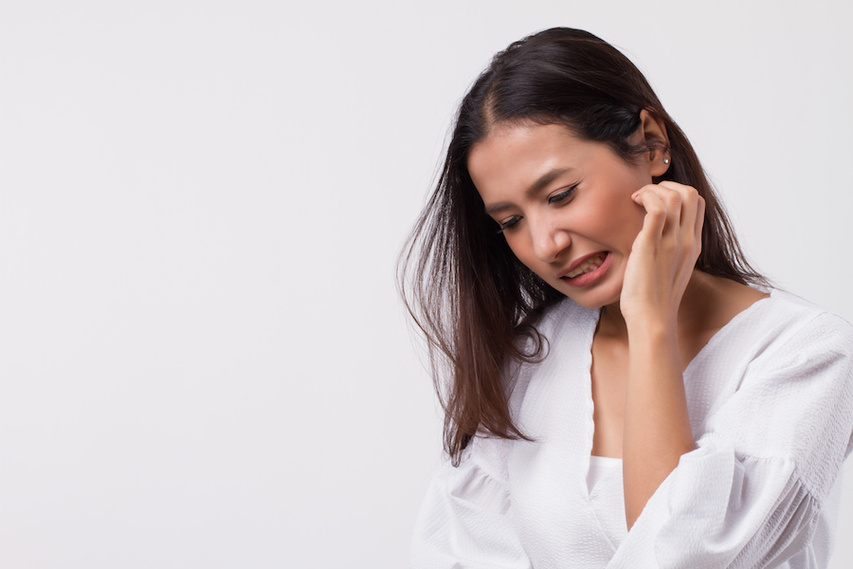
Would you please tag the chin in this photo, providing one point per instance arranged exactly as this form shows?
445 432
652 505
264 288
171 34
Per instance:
594 301
594 305
605 292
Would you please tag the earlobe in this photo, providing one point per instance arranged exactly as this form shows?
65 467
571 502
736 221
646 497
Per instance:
658 162
656 140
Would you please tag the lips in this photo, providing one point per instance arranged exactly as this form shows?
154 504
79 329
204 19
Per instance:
587 270
590 264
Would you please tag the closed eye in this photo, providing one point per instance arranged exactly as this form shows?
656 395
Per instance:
563 195
508 224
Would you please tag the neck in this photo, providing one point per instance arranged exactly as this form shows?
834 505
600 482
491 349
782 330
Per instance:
694 311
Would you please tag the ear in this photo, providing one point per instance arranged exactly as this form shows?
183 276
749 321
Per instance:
652 133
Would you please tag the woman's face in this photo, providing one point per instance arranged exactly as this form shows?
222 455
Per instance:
564 206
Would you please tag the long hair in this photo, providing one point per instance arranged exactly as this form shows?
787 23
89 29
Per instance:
474 301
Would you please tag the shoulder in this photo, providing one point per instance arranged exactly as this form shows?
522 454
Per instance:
794 398
770 328
794 327
779 341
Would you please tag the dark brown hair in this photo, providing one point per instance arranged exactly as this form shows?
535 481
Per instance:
473 300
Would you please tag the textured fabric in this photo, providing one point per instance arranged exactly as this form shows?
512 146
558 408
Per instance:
604 481
770 401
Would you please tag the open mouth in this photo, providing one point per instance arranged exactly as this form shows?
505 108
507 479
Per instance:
587 266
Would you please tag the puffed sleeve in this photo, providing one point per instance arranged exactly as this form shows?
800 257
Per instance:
750 495
465 520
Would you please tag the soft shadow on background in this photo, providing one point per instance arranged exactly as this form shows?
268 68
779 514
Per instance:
203 360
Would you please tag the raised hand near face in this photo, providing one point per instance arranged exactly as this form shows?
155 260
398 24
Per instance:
664 253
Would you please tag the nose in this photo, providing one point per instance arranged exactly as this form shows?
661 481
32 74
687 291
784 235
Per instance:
549 240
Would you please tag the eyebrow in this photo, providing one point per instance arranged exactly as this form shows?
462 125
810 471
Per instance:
535 187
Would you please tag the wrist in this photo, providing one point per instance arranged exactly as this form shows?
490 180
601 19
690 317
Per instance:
651 329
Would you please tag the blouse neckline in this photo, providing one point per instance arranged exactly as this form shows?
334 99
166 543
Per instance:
717 337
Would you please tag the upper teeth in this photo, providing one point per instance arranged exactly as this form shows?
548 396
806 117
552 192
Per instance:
590 264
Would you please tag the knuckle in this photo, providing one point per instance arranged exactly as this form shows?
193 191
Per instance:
672 196
656 212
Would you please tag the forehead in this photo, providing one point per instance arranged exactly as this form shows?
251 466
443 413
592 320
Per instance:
513 156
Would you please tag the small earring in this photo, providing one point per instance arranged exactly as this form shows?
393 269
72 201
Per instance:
666 160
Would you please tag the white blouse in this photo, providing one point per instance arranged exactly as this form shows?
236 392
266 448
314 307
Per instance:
770 401
604 483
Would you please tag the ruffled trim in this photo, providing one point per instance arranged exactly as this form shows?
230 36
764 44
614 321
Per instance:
465 520
721 509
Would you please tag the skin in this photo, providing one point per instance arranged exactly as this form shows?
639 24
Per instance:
558 199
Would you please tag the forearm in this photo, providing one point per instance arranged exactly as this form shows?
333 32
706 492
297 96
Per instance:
657 428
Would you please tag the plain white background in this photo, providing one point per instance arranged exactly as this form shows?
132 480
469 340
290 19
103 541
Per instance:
203 360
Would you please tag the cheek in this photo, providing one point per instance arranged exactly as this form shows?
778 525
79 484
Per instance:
523 250
518 247
626 217
633 222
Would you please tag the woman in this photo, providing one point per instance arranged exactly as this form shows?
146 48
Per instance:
624 389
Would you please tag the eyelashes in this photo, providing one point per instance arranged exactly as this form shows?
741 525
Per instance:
555 199
508 224
562 196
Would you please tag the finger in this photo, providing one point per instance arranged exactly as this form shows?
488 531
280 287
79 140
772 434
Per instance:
691 200
673 202
687 193
676 186
693 210
655 218
673 185
700 221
